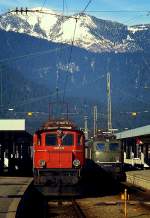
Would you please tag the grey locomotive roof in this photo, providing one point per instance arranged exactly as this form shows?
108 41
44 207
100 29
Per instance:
144 130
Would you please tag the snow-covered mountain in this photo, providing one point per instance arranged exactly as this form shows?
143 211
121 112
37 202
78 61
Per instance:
89 32
33 65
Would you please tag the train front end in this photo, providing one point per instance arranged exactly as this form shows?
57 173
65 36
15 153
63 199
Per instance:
58 154
106 151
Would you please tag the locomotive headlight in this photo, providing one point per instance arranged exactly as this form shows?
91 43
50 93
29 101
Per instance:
42 163
76 163
117 159
97 153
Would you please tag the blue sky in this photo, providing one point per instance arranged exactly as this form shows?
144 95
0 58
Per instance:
129 17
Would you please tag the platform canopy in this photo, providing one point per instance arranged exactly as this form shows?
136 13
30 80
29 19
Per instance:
140 131
12 124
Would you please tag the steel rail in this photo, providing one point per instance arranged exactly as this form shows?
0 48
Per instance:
77 209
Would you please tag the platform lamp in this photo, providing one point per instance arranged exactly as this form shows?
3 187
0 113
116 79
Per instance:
30 114
11 109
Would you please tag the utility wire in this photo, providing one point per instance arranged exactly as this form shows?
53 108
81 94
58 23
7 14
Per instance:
58 57
69 60
133 18
35 99
63 6
43 5
44 12
117 11
89 2
103 11
32 54
78 11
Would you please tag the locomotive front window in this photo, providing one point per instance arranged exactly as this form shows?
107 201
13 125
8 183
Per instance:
100 146
67 139
51 139
113 146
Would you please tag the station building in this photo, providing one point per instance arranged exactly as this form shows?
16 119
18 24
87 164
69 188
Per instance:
15 147
136 146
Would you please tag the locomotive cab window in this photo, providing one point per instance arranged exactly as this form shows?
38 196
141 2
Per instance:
51 139
67 139
113 146
100 146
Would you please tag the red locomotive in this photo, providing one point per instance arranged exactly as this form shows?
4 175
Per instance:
58 153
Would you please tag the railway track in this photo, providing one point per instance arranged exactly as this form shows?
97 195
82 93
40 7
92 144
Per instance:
64 209
64 205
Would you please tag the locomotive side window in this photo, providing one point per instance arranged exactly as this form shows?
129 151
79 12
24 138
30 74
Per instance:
39 140
51 139
68 139
79 140
113 146
100 147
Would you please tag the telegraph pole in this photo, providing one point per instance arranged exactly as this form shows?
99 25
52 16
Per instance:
1 90
95 120
109 122
1 101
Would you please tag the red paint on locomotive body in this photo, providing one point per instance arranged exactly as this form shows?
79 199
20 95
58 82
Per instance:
58 147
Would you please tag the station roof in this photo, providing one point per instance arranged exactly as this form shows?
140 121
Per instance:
12 124
144 130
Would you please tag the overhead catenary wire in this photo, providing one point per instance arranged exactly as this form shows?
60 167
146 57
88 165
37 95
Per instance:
85 9
133 18
105 11
70 56
32 54
58 57
88 11
40 11
69 60
89 1
101 77
114 11
44 2
87 5
66 5
35 99
44 12
61 46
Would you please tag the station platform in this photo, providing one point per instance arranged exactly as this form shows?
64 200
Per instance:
140 178
11 191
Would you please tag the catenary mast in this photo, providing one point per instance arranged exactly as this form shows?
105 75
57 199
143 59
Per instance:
109 122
